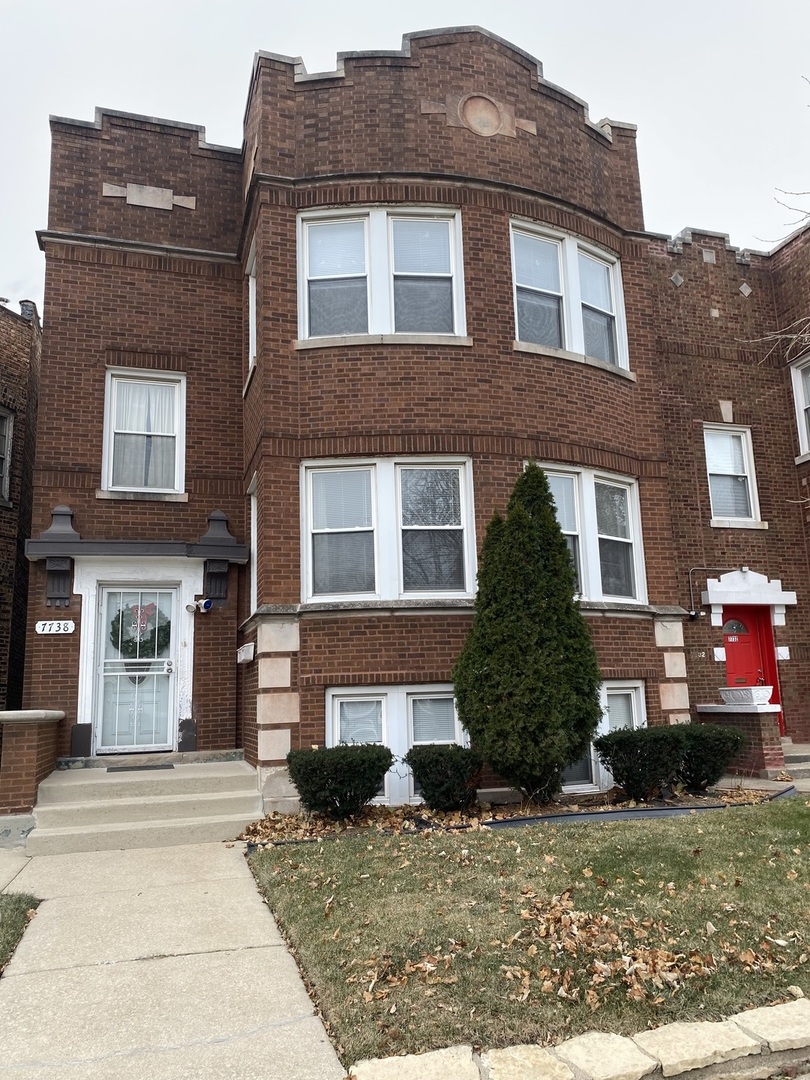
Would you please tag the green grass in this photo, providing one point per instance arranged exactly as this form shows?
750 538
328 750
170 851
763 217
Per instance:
535 934
14 917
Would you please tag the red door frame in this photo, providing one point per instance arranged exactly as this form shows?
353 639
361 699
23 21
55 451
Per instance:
758 620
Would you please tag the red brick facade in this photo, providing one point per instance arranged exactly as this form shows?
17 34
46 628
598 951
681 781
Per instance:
458 128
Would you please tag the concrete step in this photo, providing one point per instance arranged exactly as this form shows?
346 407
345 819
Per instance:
798 770
125 835
158 808
84 785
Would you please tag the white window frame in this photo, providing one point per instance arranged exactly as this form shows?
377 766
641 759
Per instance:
250 271
801 401
253 509
7 419
573 333
397 729
753 519
585 481
602 778
176 379
379 256
386 527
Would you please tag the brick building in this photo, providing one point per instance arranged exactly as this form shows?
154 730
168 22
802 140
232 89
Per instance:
302 374
20 345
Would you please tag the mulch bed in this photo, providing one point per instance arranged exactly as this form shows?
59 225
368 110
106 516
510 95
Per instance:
290 828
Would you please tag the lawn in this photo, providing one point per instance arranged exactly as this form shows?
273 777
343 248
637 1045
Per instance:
534 934
15 913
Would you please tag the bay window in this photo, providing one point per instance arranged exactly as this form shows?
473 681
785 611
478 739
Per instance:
567 296
600 519
380 272
386 529
398 717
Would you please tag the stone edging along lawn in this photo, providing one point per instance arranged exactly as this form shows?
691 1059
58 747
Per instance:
751 1045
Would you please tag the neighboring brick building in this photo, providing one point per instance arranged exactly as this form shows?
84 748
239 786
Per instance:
20 346
347 337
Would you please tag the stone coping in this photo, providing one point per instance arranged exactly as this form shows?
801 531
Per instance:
31 716
751 1045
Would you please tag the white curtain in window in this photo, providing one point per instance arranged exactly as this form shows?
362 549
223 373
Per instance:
433 720
728 480
144 443
360 721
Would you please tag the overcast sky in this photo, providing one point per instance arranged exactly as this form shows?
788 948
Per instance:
717 88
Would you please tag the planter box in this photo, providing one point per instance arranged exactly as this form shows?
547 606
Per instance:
746 695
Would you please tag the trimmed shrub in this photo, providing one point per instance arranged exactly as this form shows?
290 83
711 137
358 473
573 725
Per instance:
644 760
527 681
447 775
708 751
338 781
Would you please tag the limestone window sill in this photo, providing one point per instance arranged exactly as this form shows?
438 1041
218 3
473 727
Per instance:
737 523
342 340
143 496
577 358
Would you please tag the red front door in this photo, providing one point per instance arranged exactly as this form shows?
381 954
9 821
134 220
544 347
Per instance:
750 651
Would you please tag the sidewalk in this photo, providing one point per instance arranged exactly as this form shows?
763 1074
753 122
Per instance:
153 963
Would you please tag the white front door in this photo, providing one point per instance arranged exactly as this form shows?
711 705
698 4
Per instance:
136 707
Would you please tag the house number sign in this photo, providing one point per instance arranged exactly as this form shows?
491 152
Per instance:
66 626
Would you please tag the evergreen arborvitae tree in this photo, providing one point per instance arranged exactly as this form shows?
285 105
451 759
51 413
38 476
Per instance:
527 680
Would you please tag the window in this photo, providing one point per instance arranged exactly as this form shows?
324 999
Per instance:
599 517
381 272
622 707
144 432
399 717
388 529
253 508
730 467
800 374
252 314
567 296
6 422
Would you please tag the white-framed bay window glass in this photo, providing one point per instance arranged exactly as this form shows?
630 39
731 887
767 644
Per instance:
398 717
250 271
623 706
387 529
800 377
568 295
380 271
144 431
253 511
600 518
6 425
732 481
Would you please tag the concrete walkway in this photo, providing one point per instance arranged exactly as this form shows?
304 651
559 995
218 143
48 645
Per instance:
153 963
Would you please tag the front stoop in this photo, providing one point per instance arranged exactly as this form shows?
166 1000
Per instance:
797 759
91 809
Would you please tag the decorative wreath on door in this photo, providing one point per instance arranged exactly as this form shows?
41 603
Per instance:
136 633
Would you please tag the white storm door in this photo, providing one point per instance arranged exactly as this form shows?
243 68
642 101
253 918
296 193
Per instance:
136 697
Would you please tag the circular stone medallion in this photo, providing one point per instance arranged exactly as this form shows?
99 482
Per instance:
480 114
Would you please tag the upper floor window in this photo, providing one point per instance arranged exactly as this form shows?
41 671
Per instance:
252 311
800 374
380 272
144 429
730 467
5 453
388 529
568 296
599 517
